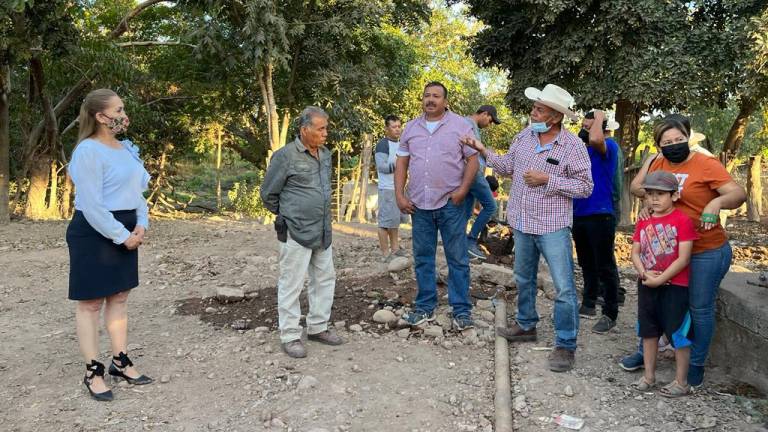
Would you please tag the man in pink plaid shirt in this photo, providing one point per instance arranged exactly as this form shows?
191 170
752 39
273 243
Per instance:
549 167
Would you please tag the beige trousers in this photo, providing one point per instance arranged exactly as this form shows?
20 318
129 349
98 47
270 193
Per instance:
296 261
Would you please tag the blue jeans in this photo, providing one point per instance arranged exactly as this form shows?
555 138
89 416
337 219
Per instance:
556 248
480 191
450 221
708 269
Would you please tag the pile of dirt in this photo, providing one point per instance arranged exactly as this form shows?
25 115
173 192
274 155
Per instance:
355 301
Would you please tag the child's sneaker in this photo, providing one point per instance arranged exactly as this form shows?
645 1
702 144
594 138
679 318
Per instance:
632 362
416 317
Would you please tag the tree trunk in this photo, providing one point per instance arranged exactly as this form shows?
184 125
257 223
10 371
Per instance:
218 169
365 164
53 195
5 142
274 118
628 115
39 175
754 189
66 197
284 129
735 135
160 179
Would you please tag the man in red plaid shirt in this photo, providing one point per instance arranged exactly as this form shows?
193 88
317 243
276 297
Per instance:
549 167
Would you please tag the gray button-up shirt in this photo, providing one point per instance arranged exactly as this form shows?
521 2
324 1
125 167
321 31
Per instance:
298 187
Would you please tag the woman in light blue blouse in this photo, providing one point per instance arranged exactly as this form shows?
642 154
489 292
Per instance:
110 221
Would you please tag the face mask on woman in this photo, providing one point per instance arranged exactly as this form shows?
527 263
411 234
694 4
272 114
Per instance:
584 135
676 153
117 125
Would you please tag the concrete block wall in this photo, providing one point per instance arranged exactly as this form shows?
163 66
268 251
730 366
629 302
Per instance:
740 345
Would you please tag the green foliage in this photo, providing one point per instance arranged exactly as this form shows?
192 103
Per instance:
659 54
246 200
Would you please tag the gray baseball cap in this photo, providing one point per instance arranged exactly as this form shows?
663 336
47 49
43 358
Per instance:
491 110
661 180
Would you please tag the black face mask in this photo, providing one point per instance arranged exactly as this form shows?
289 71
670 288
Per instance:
676 153
584 135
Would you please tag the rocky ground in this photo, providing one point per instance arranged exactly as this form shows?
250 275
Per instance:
203 324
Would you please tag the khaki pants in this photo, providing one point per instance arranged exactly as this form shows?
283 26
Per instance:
295 262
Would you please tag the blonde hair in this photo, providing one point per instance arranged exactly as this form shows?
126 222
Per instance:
94 102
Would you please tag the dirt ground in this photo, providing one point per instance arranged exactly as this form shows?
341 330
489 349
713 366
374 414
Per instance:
219 367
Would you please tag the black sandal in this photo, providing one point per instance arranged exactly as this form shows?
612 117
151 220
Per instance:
114 370
96 369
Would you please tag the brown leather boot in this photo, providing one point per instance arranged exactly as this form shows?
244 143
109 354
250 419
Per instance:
561 360
517 334
295 349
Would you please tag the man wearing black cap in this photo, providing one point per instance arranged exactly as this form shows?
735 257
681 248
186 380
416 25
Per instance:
480 190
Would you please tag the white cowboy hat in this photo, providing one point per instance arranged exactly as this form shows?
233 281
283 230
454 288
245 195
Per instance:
554 97
612 125
696 137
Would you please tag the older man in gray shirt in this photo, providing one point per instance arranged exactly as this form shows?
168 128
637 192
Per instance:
297 188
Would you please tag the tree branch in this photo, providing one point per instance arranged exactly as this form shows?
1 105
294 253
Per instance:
122 27
152 43
154 101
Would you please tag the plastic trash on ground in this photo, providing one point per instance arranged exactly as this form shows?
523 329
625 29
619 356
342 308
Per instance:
569 422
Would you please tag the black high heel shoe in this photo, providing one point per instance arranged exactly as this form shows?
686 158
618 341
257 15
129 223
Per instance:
114 370
96 369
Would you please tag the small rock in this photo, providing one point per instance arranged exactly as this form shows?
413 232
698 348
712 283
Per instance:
404 333
391 295
229 293
165 379
134 347
485 304
340 324
481 324
384 317
433 331
398 264
307 382
399 359
261 329
210 310
568 391
356 368
211 375
447 345
487 316
356 328
443 321
276 422
519 403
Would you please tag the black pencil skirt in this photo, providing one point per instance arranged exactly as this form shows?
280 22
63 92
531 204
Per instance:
98 267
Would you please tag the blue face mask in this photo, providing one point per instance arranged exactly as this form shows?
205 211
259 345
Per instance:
540 127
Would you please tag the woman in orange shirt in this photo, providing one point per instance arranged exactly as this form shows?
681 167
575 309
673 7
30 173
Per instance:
705 189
